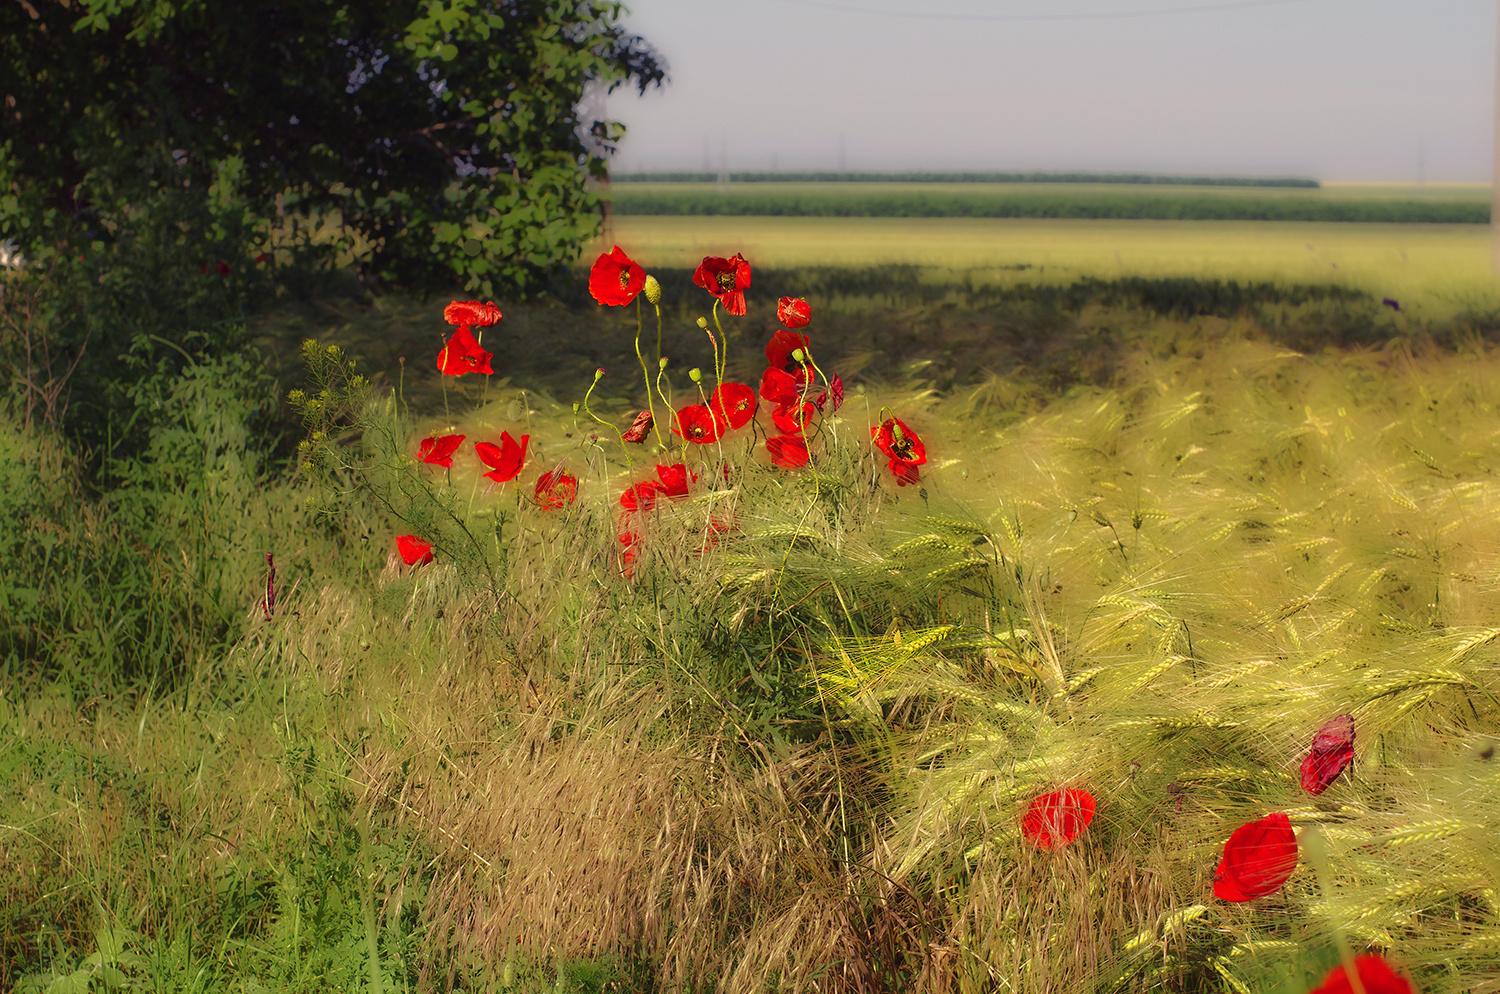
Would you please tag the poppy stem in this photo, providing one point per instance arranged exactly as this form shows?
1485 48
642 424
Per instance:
657 308
443 382
661 372
645 372
718 362
599 375
484 391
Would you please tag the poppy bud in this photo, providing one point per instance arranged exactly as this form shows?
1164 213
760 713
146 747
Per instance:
799 355
652 289
695 374
598 374
661 364
703 323
577 407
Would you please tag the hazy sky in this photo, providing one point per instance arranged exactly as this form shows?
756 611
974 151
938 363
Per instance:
1333 89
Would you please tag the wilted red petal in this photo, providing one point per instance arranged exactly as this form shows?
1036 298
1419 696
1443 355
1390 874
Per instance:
463 355
615 279
780 348
414 551
793 312
835 392
725 279
1053 820
1258 859
792 418
638 428
734 404
696 423
504 459
1375 975
471 313
1332 751
439 451
556 489
787 451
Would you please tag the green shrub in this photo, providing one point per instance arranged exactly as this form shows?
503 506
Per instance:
155 578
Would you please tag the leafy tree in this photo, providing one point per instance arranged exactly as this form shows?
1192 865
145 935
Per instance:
427 139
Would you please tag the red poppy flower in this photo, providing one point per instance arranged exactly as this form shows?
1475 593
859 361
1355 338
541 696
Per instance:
615 278
1053 820
638 428
733 404
463 355
471 313
556 489
675 479
222 268
1332 752
780 348
904 449
641 496
787 451
414 551
504 459
834 393
696 423
780 387
1258 859
439 451
725 279
793 312
263 257
1375 975
791 419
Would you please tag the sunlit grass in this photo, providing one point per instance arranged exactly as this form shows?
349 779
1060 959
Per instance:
1434 271
793 758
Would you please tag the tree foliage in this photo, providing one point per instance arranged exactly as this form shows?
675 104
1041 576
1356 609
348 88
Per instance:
427 139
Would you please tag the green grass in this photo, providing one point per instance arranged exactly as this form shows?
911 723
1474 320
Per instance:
1350 203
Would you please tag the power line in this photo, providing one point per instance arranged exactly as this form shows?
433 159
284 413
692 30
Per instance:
1205 8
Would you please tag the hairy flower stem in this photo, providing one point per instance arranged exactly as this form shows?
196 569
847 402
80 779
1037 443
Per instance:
599 375
443 382
661 373
720 358
484 391
645 372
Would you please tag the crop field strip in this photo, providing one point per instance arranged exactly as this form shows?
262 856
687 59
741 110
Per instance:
1433 271
1336 203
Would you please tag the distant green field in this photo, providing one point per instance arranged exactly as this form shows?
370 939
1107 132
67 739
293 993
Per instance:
1133 179
1432 270
1346 202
